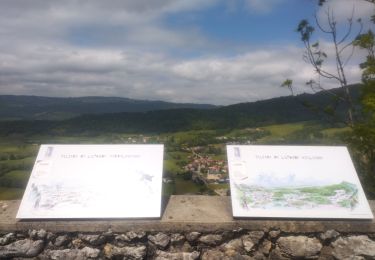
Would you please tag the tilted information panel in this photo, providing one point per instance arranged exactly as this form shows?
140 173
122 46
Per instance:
94 181
295 182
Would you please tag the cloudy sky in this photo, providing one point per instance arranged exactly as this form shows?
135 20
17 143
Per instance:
210 51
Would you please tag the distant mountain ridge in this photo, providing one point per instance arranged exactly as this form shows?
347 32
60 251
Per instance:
273 111
54 108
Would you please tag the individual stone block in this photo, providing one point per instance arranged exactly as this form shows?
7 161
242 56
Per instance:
161 240
62 240
84 253
161 255
6 239
274 233
127 252
192 236
251 239
22 248
94 240
329 235
211 239
213 254
299 246
233 247
354 246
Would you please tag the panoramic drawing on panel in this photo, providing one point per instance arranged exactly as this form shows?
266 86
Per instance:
339 195
286 181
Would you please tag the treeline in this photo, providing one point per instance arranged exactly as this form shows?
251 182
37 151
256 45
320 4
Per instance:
273 111
53 108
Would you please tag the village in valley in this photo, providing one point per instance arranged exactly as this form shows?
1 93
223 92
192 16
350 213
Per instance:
194 161
206 170
201 164
204 166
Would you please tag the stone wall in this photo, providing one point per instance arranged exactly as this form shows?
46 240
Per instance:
234 244
191 227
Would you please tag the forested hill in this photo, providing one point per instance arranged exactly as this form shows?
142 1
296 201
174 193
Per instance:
52 108
277 110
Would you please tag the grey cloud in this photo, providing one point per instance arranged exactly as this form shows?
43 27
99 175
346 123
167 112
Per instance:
220 80
37 56
111 24
263 6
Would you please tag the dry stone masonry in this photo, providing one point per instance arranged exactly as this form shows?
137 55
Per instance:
191 227
235 244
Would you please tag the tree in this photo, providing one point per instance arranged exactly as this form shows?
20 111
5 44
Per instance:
316 56
362 137
289 84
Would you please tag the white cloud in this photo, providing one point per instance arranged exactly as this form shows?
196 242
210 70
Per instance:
343 9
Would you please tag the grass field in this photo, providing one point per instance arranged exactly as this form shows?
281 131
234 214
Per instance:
15 179
280 132
187 187
332 132
7 193
170 166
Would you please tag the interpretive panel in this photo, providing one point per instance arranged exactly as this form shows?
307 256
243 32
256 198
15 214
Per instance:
94 181
295 182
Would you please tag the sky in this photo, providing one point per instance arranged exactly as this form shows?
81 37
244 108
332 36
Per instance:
212 51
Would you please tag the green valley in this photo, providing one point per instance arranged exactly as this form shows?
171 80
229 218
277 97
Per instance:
194 136
195 160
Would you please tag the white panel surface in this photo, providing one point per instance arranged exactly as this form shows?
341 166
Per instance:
94 181
295 182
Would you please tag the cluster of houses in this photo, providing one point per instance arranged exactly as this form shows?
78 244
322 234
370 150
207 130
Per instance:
214 171
139 139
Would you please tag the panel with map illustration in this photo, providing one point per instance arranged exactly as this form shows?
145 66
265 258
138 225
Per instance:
94 181
295 182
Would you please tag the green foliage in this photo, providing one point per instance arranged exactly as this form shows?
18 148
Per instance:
362 123
289 84
362 139
53 108
15 179
296 133
245 115
7 193
15 174
171 168
21 164
168 189
305 30
183 186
